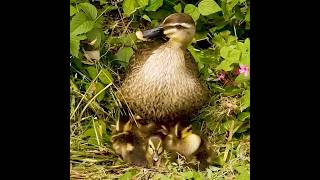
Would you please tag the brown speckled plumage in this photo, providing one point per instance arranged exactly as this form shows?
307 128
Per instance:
162 84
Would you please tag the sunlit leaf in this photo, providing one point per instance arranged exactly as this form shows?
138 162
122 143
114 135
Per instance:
177 7
193 11
146 17
245 100
154 5
77 20
73 10
105 77
207 7
83 28
89 10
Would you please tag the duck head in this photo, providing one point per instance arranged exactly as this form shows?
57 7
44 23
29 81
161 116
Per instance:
178 27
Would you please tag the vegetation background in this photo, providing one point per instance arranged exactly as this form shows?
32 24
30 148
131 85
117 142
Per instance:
102 40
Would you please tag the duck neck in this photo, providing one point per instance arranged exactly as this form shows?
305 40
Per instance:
177 44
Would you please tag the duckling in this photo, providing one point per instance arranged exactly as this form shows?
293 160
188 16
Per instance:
192 146
162 83
154 150
138 144
128 144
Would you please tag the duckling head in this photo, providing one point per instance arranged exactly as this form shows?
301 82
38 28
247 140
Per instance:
178 27
155 147
183 140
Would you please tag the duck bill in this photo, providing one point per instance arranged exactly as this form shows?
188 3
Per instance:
155 157
152 33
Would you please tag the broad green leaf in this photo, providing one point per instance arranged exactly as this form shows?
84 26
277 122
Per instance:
124 54
247 17
193 11
73 10
129 7
240 78
93 72
198 176
127 176
105 77
219 41
123 40
75 44
244 172
178 8
225 65
231 4
142 2
234 55
242 1
154 5
245 100
187 175
83 28
244 127
225 51
77 20
99 87
243 116
89 10
207 7
202 35
95 34
146 17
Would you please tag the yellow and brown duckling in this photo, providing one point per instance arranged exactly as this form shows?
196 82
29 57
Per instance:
193 147
138 144
162 84
128 144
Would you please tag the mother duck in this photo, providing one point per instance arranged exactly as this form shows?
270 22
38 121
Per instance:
162 84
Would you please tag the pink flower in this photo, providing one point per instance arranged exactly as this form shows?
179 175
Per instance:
221 76
244 69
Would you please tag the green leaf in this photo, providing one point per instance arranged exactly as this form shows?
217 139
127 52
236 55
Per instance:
75 44
143 2
124 54
123 40
73 10
225 65
146 17
231 4
105 77
244 172
154 5
187 175
83 28
178 8
129 7
95 34
247 17
77 20
127 176
240 78
243 116
89 10
193 11
225 51
234 55
99 87
93 72
245 100
207 7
